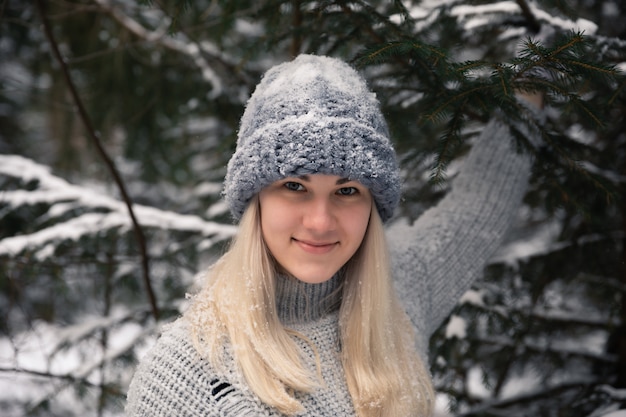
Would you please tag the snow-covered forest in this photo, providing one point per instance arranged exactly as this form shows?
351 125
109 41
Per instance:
117 118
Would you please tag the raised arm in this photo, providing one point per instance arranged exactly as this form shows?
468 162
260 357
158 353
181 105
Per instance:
436 259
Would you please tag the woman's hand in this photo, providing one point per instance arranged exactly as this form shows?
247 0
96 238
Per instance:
534 98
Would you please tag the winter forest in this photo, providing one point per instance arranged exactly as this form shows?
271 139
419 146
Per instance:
117 118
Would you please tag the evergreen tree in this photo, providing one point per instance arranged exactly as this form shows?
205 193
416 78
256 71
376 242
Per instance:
160 87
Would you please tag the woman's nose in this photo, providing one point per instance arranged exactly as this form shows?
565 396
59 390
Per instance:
319 215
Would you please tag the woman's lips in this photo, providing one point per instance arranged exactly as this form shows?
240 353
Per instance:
317 248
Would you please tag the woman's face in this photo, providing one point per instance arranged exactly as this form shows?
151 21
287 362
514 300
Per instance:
313 224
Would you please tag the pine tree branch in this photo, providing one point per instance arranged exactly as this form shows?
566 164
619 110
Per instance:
461 97
138 231
447 150
460 89
368 29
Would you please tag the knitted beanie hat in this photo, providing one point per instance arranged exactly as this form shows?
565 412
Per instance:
313 115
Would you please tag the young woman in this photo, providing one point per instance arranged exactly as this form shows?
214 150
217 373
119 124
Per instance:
300 316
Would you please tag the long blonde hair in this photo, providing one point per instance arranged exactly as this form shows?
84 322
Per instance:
384 373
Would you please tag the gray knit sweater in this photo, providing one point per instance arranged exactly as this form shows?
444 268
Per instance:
434 261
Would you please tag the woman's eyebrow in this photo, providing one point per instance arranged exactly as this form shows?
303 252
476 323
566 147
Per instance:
340 181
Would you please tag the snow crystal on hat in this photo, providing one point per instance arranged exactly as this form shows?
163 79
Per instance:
313 115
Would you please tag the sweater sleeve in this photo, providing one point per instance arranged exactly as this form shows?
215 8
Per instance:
436 259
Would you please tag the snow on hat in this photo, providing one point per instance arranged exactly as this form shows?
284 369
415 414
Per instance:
313 115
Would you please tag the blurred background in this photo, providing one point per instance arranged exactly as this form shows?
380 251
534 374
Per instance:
111 104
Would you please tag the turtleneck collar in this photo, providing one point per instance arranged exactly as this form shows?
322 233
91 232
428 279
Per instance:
299 302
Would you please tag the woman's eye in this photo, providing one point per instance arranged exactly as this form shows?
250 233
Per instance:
348 191
294 186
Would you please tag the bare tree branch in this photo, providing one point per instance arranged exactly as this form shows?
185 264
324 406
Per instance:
69 378
139 235
296 21
66 380
531 20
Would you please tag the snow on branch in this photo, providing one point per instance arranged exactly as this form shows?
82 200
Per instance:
542 242
62 197
199 52
478 15
528 397
39 358
544 349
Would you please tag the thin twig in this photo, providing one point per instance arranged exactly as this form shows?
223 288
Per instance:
533 23
296 21
69 378
139 235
